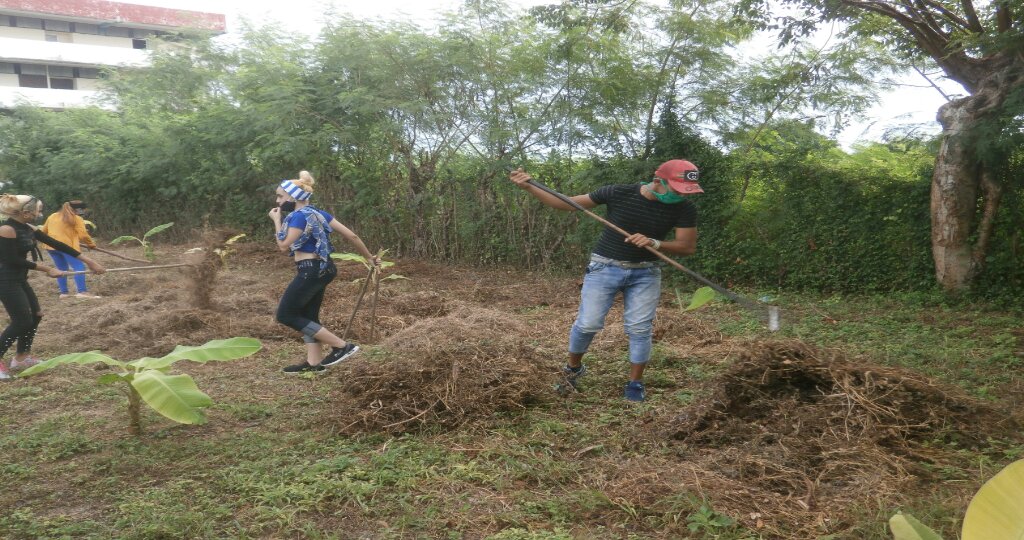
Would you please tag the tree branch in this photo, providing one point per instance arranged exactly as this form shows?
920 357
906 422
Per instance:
955 64
972 16
1004 18
992 191
949 15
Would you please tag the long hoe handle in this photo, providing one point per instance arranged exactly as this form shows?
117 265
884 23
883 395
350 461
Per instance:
118 255
131 268
773 311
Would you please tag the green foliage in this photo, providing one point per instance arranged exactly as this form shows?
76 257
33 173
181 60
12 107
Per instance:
906 527
174 396
367 264
147 248
413 151
225 251
701 296
707 521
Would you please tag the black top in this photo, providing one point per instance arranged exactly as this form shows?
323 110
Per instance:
634 213
13 251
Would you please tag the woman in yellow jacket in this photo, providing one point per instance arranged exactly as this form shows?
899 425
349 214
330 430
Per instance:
67 225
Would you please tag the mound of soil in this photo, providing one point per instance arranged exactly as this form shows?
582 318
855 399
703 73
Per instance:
444 372
806 428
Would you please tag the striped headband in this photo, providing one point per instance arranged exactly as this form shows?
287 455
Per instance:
295 191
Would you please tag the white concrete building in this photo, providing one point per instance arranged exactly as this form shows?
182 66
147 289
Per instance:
52 51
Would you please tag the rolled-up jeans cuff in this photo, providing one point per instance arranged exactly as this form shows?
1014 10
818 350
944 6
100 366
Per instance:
309 331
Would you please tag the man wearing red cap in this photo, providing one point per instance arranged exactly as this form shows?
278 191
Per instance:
649 211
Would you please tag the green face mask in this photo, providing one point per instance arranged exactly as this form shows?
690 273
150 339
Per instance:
669 197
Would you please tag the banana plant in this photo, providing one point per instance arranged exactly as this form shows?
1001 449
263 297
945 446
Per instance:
148 380
224 250
147 248
996 512
366 263
700 297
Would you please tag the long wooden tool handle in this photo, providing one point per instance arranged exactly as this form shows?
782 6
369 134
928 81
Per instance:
118 255
772 310
132 268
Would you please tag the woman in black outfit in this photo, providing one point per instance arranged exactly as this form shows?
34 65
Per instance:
17 239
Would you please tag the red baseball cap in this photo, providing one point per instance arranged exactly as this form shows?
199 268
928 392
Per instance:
681 176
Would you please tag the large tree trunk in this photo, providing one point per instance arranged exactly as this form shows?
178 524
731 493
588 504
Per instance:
954 197
420 176
961 185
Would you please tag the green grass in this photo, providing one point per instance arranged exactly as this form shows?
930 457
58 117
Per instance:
970 345
271 468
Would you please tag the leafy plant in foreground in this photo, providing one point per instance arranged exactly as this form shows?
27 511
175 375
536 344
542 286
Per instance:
147 379
996 512
147 248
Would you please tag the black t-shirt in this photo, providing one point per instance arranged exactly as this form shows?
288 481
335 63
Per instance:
629 209
13 264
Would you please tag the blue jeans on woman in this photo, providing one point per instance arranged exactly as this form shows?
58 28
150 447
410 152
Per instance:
64 262
641 291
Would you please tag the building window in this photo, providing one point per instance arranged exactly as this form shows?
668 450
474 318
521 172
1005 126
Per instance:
118 31
87 73
62 84
138 44
57 26
28 22
31 69
6 67
85 28
32 81
64 72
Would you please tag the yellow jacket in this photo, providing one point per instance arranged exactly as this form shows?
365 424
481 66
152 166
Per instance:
72 235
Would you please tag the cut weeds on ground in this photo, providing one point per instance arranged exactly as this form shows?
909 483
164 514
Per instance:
447 426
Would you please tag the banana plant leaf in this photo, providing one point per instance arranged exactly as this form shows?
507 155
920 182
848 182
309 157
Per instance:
91 357
157 229
217 350
175 396
701 296
997 511
907 527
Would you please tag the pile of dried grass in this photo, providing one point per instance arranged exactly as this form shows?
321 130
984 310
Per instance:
793 429
444 371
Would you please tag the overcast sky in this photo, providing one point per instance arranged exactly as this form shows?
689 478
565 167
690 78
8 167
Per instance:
912 104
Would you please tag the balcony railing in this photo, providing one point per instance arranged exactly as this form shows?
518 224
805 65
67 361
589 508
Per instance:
15 50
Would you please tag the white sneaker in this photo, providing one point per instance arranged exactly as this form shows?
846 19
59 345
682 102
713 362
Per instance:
21 365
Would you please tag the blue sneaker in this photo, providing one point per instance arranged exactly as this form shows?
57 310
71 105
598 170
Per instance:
572 375
635 391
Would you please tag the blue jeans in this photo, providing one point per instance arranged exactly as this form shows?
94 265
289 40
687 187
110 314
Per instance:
64 262
641 290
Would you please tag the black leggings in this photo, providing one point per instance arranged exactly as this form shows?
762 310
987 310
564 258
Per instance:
300 304
23 308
